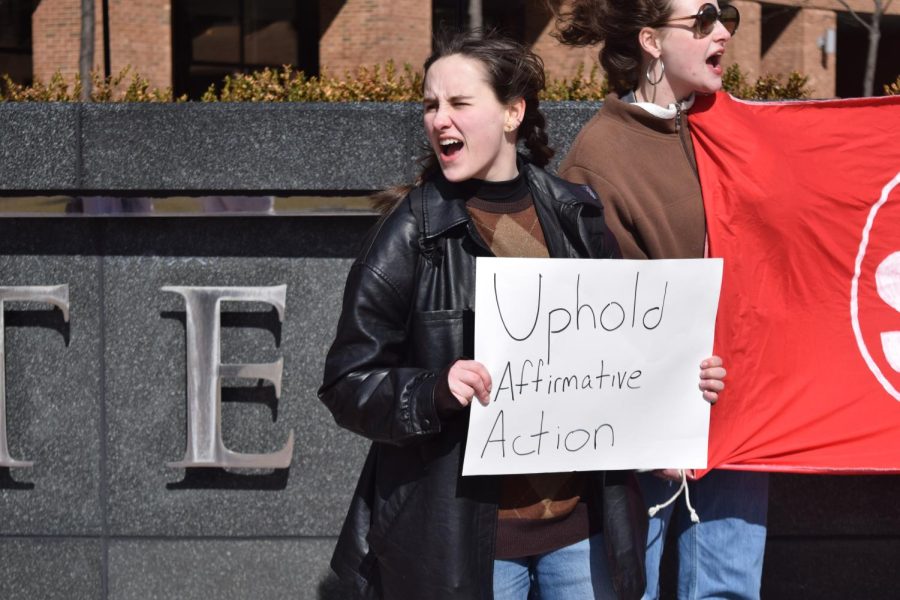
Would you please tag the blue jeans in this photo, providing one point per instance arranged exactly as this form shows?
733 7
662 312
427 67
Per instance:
722 555
571 573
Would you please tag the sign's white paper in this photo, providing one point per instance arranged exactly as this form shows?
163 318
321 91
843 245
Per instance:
595 364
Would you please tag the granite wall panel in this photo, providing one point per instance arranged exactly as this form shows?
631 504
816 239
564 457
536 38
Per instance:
831 568
146 380
99 404
224 570
39 146
145 149
564 121
54 389
51 569
249 147
836 505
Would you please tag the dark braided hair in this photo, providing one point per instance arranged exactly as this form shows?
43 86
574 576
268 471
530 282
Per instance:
615 23
513 72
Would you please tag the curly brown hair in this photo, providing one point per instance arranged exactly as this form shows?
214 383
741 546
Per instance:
616 24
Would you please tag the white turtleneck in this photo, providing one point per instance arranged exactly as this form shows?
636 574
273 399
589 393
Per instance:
663 112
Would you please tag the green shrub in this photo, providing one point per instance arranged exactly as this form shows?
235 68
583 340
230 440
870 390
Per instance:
893 89
103 89
368 85
365 84
766 87
578 87
287 85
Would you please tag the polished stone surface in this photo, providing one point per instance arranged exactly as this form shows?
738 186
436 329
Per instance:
51 569
39 146
224 570
835 505
54 389
249 146
146 378
831 568
228 148
564 121
146 402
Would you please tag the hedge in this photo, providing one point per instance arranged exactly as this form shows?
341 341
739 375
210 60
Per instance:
365 84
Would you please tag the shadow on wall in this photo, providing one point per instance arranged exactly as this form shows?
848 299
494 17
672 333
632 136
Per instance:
8 483
328 11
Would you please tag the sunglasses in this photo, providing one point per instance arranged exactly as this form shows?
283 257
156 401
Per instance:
706 18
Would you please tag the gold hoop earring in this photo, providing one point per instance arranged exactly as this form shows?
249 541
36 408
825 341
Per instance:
662 71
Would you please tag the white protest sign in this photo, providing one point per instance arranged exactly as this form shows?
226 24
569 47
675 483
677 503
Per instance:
595 364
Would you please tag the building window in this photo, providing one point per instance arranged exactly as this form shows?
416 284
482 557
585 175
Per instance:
215 38
852 54
449 15
15 39
506 16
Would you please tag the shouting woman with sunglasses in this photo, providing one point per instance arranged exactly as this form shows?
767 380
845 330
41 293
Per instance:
637 154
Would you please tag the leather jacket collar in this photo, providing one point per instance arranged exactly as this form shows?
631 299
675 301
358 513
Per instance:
445 202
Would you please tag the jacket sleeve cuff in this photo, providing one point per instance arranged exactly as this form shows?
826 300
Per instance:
445 402
426 415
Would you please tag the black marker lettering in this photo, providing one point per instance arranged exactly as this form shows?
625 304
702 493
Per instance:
501 441
551 331
507 372
579 306
537 312
659 308
583 444
612 435
516 439
621 316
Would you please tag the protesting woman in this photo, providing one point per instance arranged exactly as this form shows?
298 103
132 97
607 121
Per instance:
637 154
397 372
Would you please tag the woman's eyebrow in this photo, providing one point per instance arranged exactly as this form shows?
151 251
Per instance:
450 99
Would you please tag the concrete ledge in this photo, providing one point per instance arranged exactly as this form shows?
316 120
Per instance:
225 148
39 146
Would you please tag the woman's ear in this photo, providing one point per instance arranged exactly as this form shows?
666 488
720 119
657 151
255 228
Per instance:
650 42
515 112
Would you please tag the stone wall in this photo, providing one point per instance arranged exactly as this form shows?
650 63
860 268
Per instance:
98 402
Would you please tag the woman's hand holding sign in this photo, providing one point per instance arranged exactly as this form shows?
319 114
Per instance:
712 374
469 379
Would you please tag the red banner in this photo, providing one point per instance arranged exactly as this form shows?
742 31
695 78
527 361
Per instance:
803 203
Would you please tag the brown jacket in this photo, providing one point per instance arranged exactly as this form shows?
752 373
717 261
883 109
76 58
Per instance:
643 169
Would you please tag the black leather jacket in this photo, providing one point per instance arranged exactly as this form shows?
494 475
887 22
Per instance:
416 528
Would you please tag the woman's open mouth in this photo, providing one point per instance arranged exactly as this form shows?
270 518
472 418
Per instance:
715 63
450 147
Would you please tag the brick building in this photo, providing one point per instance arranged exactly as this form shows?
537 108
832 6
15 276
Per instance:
189 44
